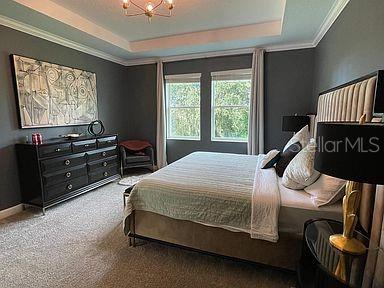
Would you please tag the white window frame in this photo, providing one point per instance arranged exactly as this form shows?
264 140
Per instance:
181 78
228 75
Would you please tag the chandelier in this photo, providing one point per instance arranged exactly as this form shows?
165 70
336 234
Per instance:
150 8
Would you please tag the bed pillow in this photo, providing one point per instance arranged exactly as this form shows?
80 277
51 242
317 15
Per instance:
301 172
326 190
302 136
270 159
287 157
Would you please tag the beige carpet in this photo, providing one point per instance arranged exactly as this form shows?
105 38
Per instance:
80 243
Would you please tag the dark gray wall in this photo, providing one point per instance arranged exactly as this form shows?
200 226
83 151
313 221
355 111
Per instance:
353 46
112 99
288 90
141 93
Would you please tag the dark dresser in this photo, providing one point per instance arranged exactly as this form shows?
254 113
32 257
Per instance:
61 169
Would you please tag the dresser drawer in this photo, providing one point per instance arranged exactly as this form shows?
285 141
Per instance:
107 142
64 175
102 153
62 162
61 189
82 146
106 163
54 150
103 174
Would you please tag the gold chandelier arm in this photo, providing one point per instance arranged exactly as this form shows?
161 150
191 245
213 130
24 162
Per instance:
157 6
137 6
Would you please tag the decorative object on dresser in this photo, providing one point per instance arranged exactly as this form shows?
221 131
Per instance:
61 169
53 95
322 265
351 151
97 124
294 123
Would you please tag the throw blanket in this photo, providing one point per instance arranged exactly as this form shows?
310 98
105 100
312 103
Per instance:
214 189
135 145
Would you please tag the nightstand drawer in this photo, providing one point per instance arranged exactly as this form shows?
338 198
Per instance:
106 142
102 154
54 150
103 174
82 146
58 190
60 163
104 164
64 175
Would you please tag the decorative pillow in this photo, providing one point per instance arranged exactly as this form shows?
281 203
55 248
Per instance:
301 172
270 159
302 136
326 190
286 157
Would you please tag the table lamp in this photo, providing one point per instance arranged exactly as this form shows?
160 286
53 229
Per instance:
294 123
354 152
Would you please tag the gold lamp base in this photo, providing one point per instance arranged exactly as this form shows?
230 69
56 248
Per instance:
351 202
347 245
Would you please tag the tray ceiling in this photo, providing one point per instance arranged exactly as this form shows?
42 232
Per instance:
196 25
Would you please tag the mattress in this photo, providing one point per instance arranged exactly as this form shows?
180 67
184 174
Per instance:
297 207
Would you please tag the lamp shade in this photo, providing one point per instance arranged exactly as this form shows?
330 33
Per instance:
351 151
294 123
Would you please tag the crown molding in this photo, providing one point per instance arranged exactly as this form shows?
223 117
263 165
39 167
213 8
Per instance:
287 47
28 29
331 17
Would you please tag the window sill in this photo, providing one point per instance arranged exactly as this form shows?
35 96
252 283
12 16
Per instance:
229 140
183 139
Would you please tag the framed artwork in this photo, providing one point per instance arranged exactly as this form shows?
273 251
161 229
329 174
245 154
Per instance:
50 95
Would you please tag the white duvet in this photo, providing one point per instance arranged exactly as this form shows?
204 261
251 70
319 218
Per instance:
215 189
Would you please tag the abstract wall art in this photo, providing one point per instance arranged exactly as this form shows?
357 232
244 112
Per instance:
53 95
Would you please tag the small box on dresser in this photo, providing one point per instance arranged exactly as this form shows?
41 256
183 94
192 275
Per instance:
58 170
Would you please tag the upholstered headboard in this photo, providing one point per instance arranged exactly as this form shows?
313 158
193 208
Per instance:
349 102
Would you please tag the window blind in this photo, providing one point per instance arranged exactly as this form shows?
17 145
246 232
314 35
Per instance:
183 78
241 74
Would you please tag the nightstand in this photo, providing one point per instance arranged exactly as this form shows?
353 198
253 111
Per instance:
322 265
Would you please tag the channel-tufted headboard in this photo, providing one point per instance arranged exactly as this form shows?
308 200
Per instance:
349 102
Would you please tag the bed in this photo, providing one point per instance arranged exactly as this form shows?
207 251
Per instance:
225 204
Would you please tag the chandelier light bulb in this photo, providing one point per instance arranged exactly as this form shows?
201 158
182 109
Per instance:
125 4
171 4
149 7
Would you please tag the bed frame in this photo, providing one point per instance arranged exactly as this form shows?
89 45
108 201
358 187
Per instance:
347 102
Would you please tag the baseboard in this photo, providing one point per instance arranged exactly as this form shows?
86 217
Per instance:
11 211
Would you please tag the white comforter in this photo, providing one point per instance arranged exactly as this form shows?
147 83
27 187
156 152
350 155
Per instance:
216 189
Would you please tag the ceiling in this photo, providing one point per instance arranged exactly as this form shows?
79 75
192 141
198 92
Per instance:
99 27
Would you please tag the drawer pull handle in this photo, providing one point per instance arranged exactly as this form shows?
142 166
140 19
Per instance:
69 187
68 175
105 164
57 150
105 174
67 162
104 154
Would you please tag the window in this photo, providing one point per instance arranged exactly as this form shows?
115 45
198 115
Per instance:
231 92
183 106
